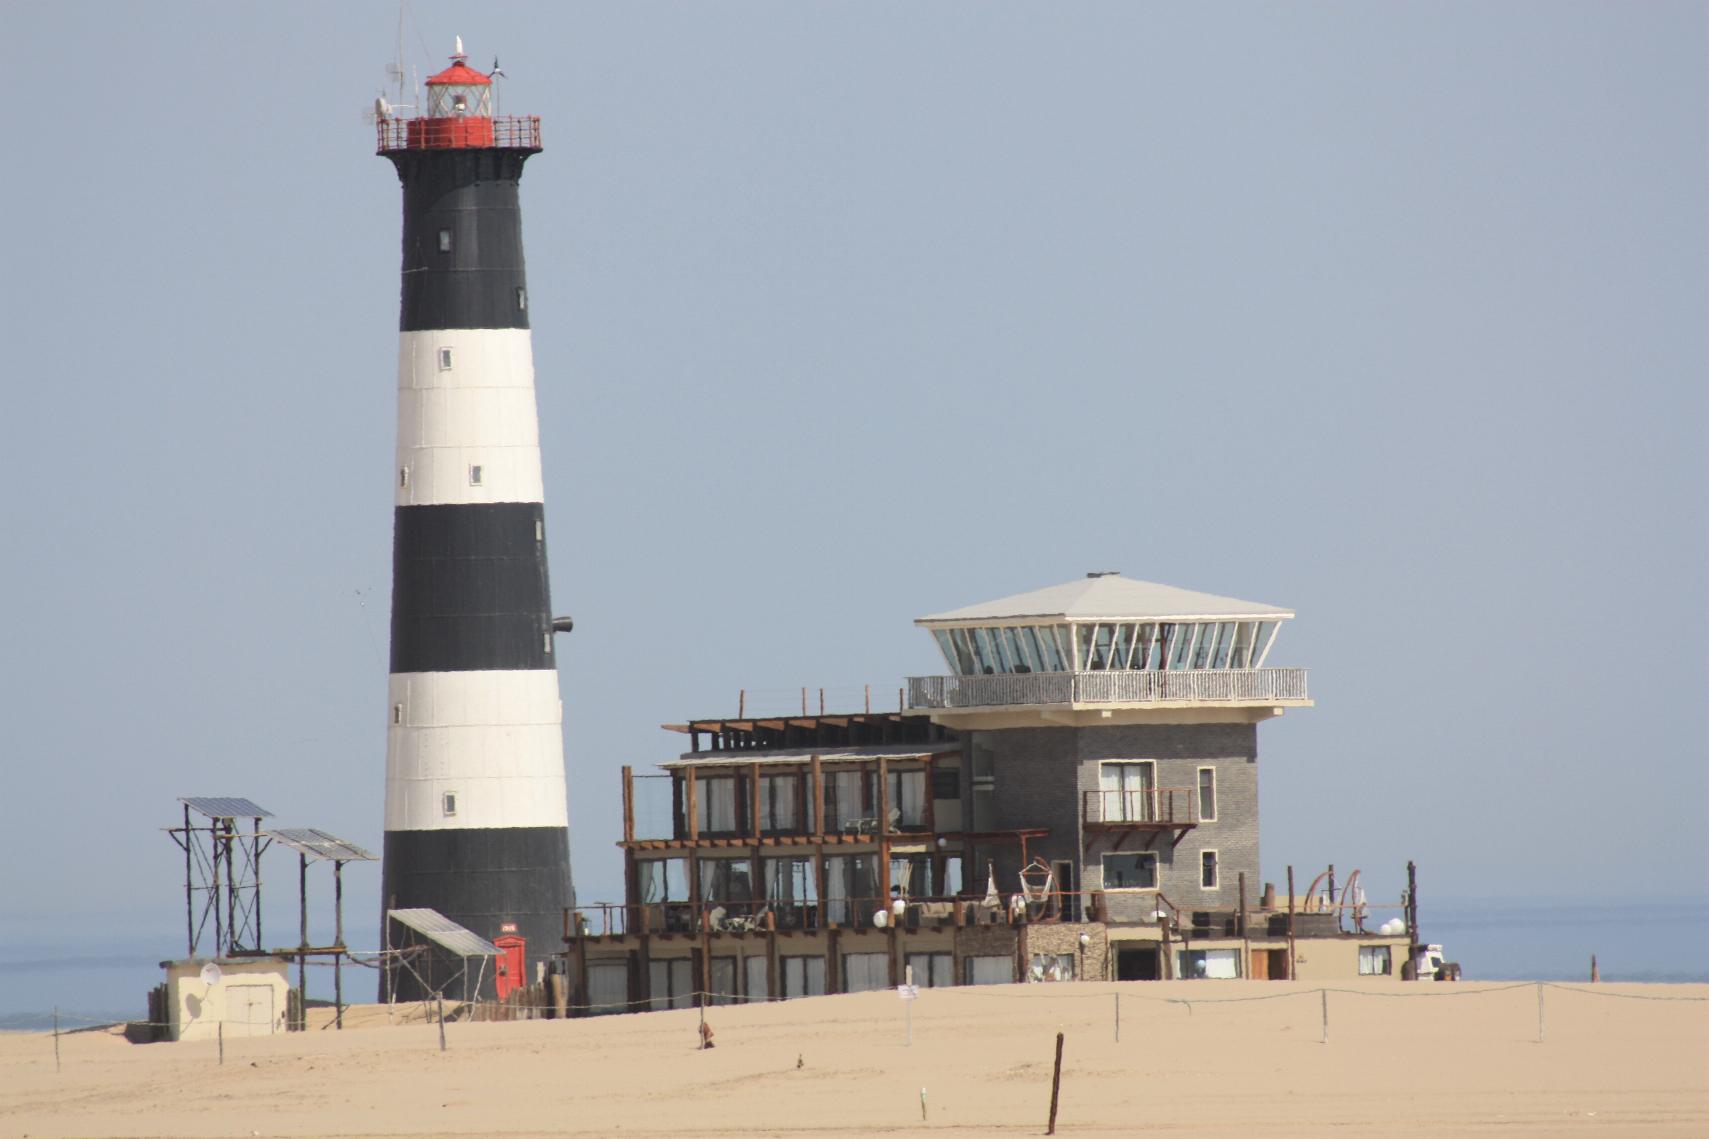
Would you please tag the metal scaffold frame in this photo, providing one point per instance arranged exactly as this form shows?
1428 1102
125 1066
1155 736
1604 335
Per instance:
222 872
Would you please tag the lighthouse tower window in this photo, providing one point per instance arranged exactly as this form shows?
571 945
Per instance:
445 359
449 804
444 241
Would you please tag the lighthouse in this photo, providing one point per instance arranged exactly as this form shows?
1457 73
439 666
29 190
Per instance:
475 816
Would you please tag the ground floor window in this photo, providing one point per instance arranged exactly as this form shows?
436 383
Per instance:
756 988
1374 961
932 970
990 970
607 989
1051 967
724 981
1209 963
1131 870
670 983
865 972
803 977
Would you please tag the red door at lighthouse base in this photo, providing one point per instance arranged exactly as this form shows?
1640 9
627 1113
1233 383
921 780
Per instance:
512 965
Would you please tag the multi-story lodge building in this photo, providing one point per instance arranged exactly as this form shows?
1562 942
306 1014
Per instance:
1076 797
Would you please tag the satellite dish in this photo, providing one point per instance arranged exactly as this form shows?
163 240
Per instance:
881 918
210 974
382 109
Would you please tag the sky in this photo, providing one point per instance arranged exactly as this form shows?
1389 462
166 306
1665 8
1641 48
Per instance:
844 314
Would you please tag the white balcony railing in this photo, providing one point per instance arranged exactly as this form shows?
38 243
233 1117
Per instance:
1208 686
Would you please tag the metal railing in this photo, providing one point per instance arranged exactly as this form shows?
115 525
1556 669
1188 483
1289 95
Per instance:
1138 686
512 132
1166 806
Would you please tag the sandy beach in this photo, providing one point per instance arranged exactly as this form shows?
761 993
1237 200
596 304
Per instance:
1420 1060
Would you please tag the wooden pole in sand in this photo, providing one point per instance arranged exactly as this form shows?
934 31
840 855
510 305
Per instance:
1539 1012
56 1038
1055 1085
222 1030
1594 975
1118 997
441 997
1325 994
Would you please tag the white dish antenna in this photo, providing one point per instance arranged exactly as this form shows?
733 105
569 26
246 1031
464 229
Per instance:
211 974
881 918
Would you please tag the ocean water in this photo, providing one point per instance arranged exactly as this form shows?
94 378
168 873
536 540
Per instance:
105 977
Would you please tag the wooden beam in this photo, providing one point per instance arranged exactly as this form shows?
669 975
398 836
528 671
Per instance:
693 811
628 803
754 800
818 798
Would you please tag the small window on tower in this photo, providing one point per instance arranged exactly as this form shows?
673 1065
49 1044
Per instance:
521 299
548 640
445 359
475 475
444 241
403 476
449 804
397 713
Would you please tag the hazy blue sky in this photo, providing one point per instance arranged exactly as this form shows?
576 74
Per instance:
843 314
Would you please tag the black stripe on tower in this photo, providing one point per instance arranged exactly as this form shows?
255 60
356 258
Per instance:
469 588
462 255
484 880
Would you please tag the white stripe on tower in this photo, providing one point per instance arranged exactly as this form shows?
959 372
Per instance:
468 428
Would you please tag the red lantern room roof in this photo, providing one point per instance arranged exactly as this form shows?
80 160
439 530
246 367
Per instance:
460 74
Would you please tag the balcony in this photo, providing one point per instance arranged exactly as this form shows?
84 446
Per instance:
1135 688
1152 810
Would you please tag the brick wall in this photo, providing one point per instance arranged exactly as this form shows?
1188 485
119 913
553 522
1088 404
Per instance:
1042 773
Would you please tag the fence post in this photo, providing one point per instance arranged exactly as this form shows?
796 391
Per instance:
1325 994
222 1040
1118 997
56 1038
1055 1084
1539 1012
441 997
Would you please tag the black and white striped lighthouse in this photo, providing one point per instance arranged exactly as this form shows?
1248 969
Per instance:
476 825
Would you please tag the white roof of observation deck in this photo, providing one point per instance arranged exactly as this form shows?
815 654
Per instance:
1108 597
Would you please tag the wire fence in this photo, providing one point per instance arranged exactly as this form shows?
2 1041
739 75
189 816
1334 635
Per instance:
435 1012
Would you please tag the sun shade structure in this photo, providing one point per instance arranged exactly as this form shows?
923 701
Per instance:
224 807
319 845
1109 596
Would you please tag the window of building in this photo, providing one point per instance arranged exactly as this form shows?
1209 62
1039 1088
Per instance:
754 978
865 972
444 241
475 474
802 976
851 889
663 879
946 782
1208 870
1374 961
996 969
911 876
1127 791
1207 794
445 359
715 804
448 804
780 804
724 981
850 804
792 892
397 713
403 476
1211 964
1131 870
932 970
607 988
726 880
908 799
670 983
1051 967
521 299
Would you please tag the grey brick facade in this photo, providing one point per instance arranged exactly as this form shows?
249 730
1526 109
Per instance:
1040 776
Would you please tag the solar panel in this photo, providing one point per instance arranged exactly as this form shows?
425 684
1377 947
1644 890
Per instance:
441 930
225 808
317 844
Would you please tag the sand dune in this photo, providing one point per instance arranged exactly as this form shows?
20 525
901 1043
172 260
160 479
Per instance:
1440 1060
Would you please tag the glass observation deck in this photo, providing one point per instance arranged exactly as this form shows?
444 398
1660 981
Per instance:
1106 641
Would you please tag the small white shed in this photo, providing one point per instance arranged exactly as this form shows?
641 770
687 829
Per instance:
247 994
